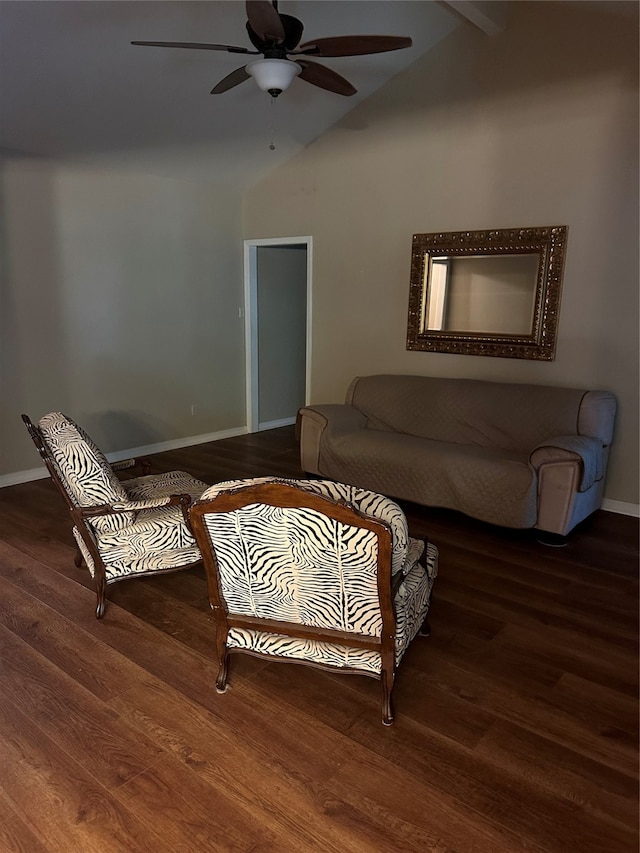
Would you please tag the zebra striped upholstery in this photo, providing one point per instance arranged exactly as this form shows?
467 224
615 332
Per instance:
84 471
157 538
405 550
144 529
291 561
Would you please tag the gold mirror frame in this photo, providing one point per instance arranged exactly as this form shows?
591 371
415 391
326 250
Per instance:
548 243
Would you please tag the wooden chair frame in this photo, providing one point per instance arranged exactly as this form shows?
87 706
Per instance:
81 515
284 495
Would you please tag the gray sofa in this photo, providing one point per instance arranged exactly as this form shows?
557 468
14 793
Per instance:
513 455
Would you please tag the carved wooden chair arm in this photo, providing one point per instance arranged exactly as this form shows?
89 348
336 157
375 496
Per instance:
184 501
125 464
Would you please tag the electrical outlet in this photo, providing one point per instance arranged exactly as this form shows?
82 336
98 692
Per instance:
194 409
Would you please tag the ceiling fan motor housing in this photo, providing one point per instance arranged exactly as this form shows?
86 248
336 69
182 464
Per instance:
291 30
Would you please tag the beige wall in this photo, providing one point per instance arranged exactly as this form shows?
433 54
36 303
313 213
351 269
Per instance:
120 298
535 126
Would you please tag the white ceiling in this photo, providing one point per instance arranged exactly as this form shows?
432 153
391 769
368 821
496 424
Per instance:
72 87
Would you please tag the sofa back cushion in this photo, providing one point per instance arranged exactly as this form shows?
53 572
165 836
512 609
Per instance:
598 415
84 470
467 411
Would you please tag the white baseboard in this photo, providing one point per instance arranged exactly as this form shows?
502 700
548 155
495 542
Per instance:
145 450
23 476
176 444
621 507
275 424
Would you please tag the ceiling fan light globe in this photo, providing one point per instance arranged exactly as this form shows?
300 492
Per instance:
273 75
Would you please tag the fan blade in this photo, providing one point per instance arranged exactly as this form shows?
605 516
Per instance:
195 46
353 45
325 78
293 30
234 79
264 20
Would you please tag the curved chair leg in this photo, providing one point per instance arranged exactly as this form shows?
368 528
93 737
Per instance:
425 629
101 592
387 679
223 672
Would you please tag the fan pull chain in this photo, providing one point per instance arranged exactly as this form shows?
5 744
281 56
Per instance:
272 144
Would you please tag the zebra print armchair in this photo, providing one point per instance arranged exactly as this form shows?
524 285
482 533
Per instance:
313 571
122 528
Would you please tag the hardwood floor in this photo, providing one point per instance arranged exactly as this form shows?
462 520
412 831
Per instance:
516 721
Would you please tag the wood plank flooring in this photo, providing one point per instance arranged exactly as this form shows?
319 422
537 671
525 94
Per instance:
516 721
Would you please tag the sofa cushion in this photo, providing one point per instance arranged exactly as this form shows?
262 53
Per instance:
492 485
467 411
598 415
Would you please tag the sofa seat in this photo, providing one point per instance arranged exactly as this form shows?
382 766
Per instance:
482 482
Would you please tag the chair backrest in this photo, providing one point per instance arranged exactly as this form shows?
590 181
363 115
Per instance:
79 468
365 501
282 558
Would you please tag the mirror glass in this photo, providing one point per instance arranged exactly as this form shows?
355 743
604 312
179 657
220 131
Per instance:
486 292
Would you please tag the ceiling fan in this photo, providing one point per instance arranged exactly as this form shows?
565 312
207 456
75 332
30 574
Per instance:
277 37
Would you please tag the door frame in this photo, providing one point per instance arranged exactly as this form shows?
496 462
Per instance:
251 319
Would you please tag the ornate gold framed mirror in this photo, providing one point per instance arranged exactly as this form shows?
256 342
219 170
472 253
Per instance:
487 292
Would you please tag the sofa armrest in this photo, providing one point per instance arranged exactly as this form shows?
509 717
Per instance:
314 421
589 453
337 416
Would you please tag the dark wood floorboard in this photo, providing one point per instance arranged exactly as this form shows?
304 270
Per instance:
516 721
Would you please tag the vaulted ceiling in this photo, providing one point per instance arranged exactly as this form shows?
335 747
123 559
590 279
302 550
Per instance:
73 88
